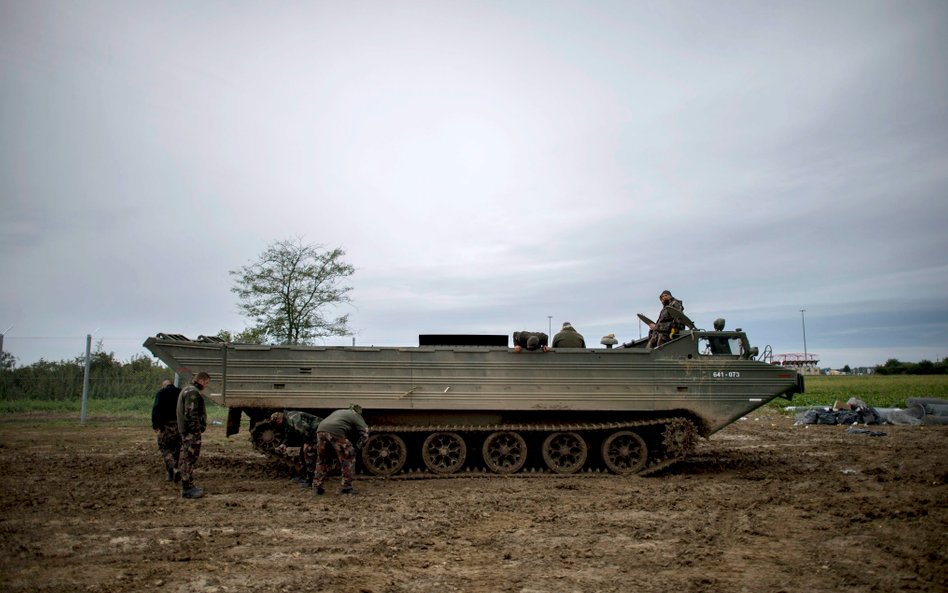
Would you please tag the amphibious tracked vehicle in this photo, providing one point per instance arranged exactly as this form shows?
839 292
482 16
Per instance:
458 403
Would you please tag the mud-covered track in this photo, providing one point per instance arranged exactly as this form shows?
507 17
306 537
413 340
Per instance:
453 450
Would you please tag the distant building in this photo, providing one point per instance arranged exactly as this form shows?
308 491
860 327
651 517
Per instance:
805 364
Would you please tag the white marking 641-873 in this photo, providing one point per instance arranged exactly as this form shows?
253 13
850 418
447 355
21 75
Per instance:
725 374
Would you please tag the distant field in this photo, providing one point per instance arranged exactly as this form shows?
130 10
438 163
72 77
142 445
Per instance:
878 391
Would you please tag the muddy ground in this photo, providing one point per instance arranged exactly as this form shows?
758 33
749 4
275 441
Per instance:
762 506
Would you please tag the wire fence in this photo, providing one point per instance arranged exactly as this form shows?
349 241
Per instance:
27 350
53 368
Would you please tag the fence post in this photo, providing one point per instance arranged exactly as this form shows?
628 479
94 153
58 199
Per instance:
85 378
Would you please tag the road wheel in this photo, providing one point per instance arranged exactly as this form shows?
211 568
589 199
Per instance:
564 452
624 452
384 454
444 452
504 452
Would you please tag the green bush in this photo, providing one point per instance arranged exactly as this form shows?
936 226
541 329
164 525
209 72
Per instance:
925 367
63 380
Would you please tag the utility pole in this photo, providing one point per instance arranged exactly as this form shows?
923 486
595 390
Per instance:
806 357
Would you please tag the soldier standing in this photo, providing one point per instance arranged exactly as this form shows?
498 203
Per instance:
338 430
665 326
192 421
164 420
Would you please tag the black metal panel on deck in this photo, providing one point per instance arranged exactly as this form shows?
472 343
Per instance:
462 340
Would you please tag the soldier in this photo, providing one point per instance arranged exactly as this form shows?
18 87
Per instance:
568 337
717 344
665 327
164 420
303 425
192 422
338 431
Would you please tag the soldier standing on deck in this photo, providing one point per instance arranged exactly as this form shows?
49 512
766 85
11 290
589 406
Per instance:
192 422
164 420
337 431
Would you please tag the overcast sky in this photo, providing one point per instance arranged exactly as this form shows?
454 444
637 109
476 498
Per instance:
485 165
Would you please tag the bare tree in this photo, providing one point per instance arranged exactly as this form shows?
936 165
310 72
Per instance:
289 291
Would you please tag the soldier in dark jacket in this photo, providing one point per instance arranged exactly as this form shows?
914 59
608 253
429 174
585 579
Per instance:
568 337
164 420
192 422
339 430
303 426
665 327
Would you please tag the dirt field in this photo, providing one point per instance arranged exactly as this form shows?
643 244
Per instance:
763 506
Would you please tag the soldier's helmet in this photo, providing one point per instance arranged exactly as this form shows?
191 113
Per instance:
356 408
719 324
277 417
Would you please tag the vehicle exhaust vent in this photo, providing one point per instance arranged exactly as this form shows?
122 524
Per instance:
306 371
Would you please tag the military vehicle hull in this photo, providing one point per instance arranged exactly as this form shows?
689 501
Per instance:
444 409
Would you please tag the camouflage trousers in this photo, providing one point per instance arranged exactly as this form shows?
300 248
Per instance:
169 445
308 458
344 451
657 338
190 451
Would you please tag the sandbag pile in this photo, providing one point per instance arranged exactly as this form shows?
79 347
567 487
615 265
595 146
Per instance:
854 411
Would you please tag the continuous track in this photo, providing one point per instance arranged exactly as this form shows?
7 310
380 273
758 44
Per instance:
640 447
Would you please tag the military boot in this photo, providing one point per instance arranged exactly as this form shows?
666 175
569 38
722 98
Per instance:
169 473
189 490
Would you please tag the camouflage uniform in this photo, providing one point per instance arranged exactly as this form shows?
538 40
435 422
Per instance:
665 324
192 422
305 425
337 431
164 419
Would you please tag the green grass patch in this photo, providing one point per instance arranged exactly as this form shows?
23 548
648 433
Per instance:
124 410
879 391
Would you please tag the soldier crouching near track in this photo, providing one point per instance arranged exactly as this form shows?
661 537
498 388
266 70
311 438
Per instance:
192 421
337 431
304 425
164 420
